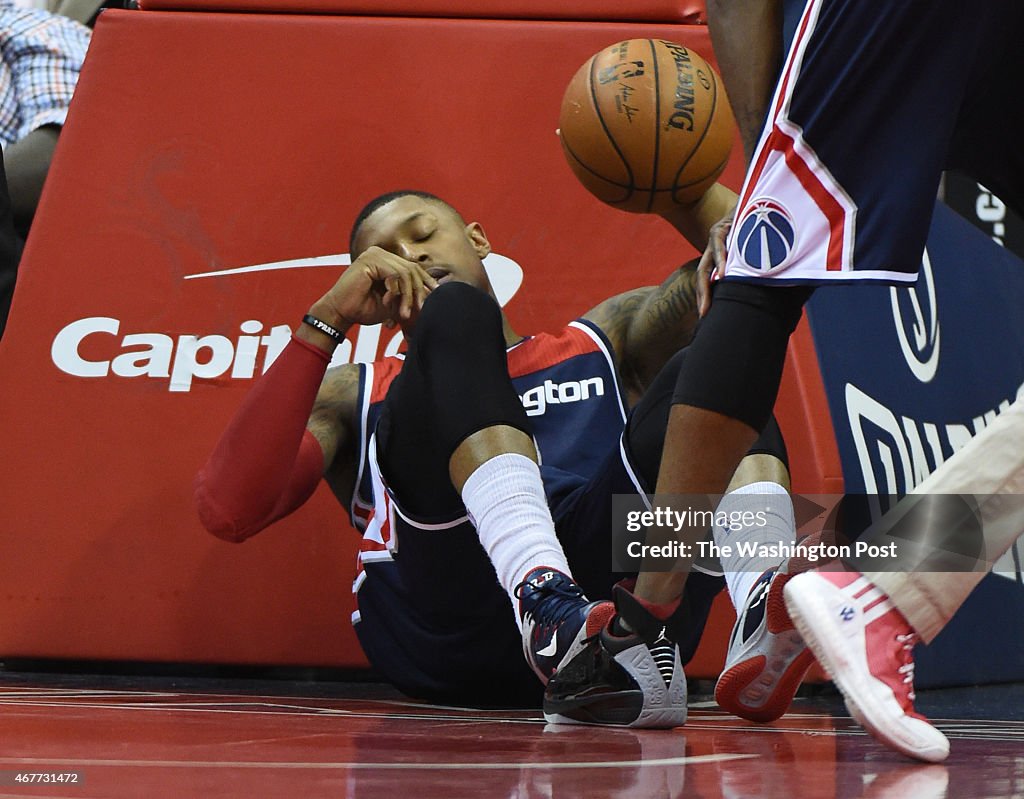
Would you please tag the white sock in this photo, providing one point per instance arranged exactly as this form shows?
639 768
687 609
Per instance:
773 523
506 503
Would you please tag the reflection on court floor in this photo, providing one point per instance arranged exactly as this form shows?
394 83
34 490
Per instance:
151 737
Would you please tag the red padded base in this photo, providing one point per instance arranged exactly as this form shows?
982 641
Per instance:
689 12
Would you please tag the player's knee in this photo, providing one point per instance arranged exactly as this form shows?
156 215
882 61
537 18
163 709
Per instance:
669 374
734 364
458 315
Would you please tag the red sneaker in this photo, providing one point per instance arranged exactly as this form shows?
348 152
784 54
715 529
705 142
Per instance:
865 644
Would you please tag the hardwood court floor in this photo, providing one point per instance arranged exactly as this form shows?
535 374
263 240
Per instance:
164 737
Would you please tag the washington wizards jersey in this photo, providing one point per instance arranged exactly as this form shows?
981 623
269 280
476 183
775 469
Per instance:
568 384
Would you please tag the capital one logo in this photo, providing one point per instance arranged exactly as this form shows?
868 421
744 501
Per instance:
915 313
181 359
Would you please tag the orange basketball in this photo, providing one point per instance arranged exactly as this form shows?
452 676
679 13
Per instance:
644 123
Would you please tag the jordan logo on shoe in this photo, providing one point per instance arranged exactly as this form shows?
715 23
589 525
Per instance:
663 652
847 613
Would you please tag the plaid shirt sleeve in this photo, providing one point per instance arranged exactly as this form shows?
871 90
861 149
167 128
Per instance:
43 53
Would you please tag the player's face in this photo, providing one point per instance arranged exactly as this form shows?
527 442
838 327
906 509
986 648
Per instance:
431 234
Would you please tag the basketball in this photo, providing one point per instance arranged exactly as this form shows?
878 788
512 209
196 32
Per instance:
645 123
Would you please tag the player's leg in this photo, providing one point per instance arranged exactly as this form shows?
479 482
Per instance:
854 622
724 395
989 471
813 209
432 617
634 680
766 659
760 483
605 689
454 441
822 202
627 678
864 625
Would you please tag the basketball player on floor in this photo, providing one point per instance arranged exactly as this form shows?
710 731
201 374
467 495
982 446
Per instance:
845 156
434 454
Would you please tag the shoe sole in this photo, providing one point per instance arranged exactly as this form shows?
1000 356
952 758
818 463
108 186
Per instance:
616 710
665 720
740 682
869 701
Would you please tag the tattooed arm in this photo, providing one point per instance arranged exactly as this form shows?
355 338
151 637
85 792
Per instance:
648 325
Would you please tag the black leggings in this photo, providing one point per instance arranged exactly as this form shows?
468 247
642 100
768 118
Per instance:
454 382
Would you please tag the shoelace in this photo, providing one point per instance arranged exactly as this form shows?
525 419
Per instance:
559 600
908 641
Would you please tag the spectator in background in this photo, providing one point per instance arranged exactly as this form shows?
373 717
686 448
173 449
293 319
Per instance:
84 11
41 55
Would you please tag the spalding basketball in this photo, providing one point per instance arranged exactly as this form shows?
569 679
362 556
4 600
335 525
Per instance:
645 123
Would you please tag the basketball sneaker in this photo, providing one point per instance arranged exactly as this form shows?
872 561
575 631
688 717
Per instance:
767 659
865 644
633 679
556 618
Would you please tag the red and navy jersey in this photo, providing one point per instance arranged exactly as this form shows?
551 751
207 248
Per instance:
569 387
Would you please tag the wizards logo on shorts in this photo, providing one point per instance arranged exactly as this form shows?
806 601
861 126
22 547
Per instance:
765 235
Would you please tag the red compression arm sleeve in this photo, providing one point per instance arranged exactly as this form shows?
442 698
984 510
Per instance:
266 464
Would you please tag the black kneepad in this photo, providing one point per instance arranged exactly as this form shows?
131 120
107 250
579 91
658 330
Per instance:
456 368
734 364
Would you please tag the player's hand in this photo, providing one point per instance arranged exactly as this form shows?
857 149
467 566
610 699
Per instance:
712 262
379 287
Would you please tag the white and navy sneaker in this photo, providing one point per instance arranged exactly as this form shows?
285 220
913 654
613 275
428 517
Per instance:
767 659
556 619
632 679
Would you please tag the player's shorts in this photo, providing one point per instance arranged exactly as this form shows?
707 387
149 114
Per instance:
875 99
434 621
